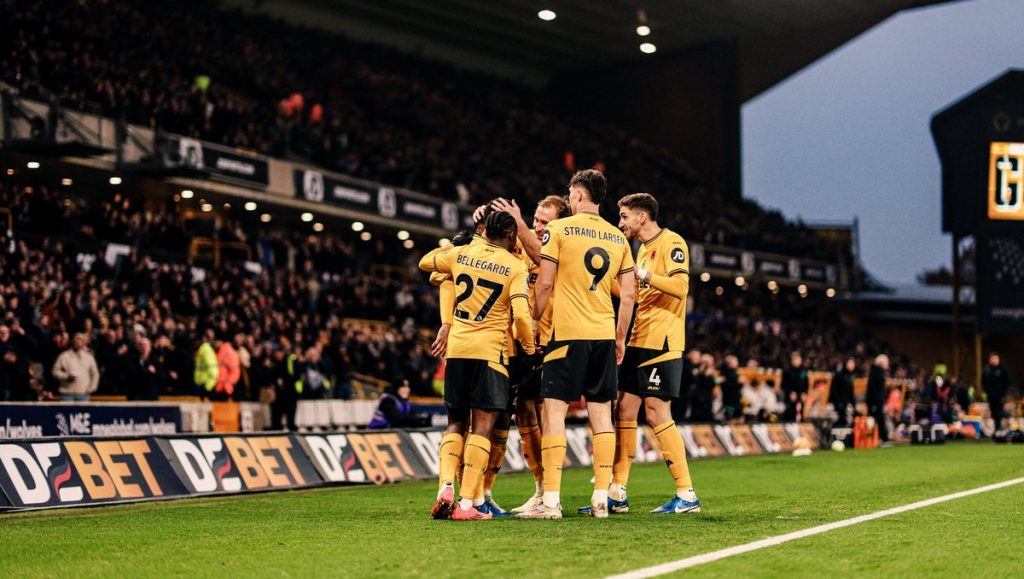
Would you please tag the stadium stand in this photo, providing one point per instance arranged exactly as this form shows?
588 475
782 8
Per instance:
56 285
366 111
255 83
362 304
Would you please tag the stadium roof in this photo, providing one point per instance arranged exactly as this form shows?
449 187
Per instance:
776 37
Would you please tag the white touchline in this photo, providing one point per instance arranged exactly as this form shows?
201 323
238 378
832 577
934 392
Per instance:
772 541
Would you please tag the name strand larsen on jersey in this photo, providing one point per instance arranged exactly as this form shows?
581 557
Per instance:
593 234
484 265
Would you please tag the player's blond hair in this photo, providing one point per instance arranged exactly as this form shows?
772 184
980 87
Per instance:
557 203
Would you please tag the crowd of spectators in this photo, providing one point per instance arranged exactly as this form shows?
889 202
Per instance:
752 326
74 321
254 82
143 319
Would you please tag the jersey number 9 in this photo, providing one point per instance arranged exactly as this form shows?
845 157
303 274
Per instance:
599 270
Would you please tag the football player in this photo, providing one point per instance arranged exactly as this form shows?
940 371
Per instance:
581 256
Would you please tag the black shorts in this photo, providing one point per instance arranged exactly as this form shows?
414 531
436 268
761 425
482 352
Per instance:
647 372
518 368
471 383
576 368
524 377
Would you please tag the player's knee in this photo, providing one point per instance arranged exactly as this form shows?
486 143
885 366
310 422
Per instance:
502 421
483 422
458 418
626 411
658 411
526 414
628 407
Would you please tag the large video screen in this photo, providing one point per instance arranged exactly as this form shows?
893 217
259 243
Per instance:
1006 181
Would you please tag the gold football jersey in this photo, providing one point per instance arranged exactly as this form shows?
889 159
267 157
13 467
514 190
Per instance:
544 323
491 291
443 281
660 319
590 253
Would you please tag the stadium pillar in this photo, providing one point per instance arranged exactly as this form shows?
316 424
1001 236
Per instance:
977 356
120 137
6 108
956 305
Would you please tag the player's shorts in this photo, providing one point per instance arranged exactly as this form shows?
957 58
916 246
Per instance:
529 386
524 377
471 383
575 368
647 372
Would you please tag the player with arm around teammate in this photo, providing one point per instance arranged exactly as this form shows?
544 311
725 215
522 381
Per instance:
492 289
527 399
652 367
581 255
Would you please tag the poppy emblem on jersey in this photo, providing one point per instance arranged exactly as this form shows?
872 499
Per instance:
678 256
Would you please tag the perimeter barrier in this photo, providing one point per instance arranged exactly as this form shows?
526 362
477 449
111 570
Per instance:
54 472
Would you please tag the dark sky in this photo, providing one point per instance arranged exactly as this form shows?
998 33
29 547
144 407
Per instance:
849 136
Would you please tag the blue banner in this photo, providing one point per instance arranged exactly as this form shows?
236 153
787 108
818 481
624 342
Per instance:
35 420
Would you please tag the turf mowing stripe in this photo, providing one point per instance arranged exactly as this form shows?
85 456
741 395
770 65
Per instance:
778 540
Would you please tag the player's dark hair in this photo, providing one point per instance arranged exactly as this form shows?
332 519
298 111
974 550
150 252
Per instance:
558 203
488 211
463 237
593 181
643 201
501 225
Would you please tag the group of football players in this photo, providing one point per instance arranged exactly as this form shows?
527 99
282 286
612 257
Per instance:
528 326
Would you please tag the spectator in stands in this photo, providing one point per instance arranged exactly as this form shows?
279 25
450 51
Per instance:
930 393
760 402
841 392
111 355
395 411
945 402
704 391
287 388
206 370
343 387
229 370
14 368
262 373
794 387
995 381
76 371
245 389
877 395
315 373
169 359
964 396
143 374
896 410
732 407
691 369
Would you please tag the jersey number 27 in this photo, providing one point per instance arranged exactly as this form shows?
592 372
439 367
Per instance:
495 289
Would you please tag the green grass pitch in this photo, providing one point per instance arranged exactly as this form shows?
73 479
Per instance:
387 531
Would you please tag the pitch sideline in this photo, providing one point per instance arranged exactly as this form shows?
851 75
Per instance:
696 560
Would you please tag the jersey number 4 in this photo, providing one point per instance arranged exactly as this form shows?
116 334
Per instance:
654 379
465 279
